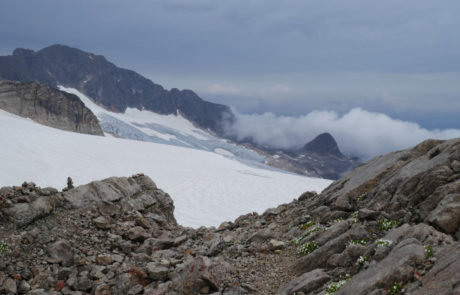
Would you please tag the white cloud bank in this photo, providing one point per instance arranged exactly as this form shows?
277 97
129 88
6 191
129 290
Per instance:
358 132
219 88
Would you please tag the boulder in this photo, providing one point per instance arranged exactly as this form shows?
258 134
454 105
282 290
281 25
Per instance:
136 193
398 266
157 272
9 286
444 277
276 245
217 245
60 252
22 214
102 222
319 257
138 233
307 283
447 214
194 274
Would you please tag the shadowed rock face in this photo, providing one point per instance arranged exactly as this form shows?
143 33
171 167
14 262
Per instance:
48 106
324 144
108 85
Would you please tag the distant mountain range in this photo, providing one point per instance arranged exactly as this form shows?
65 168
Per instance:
118 90
320 157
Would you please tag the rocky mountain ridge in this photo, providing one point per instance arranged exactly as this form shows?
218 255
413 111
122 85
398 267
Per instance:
48 106
114 88
391 226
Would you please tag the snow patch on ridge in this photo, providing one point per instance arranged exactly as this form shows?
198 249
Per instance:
139 117
167 129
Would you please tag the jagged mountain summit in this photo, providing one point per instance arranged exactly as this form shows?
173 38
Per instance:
108 85
48 106
389 226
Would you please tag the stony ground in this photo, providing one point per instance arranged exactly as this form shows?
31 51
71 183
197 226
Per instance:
389 227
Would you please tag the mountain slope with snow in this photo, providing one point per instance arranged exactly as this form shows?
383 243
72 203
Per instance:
172 129
207 188
108 85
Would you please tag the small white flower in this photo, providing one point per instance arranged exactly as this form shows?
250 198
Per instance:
382 243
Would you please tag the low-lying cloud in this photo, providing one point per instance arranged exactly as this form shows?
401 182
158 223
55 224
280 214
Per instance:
359 132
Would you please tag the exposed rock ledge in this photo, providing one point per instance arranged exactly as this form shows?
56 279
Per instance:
390 225
48 106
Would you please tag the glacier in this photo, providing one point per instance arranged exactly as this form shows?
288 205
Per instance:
166 129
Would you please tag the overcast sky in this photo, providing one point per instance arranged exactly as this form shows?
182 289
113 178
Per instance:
400 58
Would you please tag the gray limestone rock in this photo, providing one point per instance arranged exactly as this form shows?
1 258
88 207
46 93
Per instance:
138 233
102 222
9 286
132 193
157 272
60 252
276 245
25 213
444 277
200 272
398 266
48 106
447 214
307 283
319 257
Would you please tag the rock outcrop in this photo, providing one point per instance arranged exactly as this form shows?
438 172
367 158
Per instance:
48 106
388 227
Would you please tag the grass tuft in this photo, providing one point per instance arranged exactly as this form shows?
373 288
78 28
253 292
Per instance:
307 248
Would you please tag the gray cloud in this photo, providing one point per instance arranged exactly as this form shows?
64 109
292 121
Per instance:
432 99
192 6
247 36
358 132
322 50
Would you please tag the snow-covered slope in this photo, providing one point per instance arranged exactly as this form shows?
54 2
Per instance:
207 187
167 129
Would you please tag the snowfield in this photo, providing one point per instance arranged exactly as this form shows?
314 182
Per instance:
207 188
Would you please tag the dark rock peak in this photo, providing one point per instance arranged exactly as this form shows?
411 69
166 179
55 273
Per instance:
112 87
23 52
323 144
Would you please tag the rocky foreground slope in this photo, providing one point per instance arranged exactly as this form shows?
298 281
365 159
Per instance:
388 227
48 106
